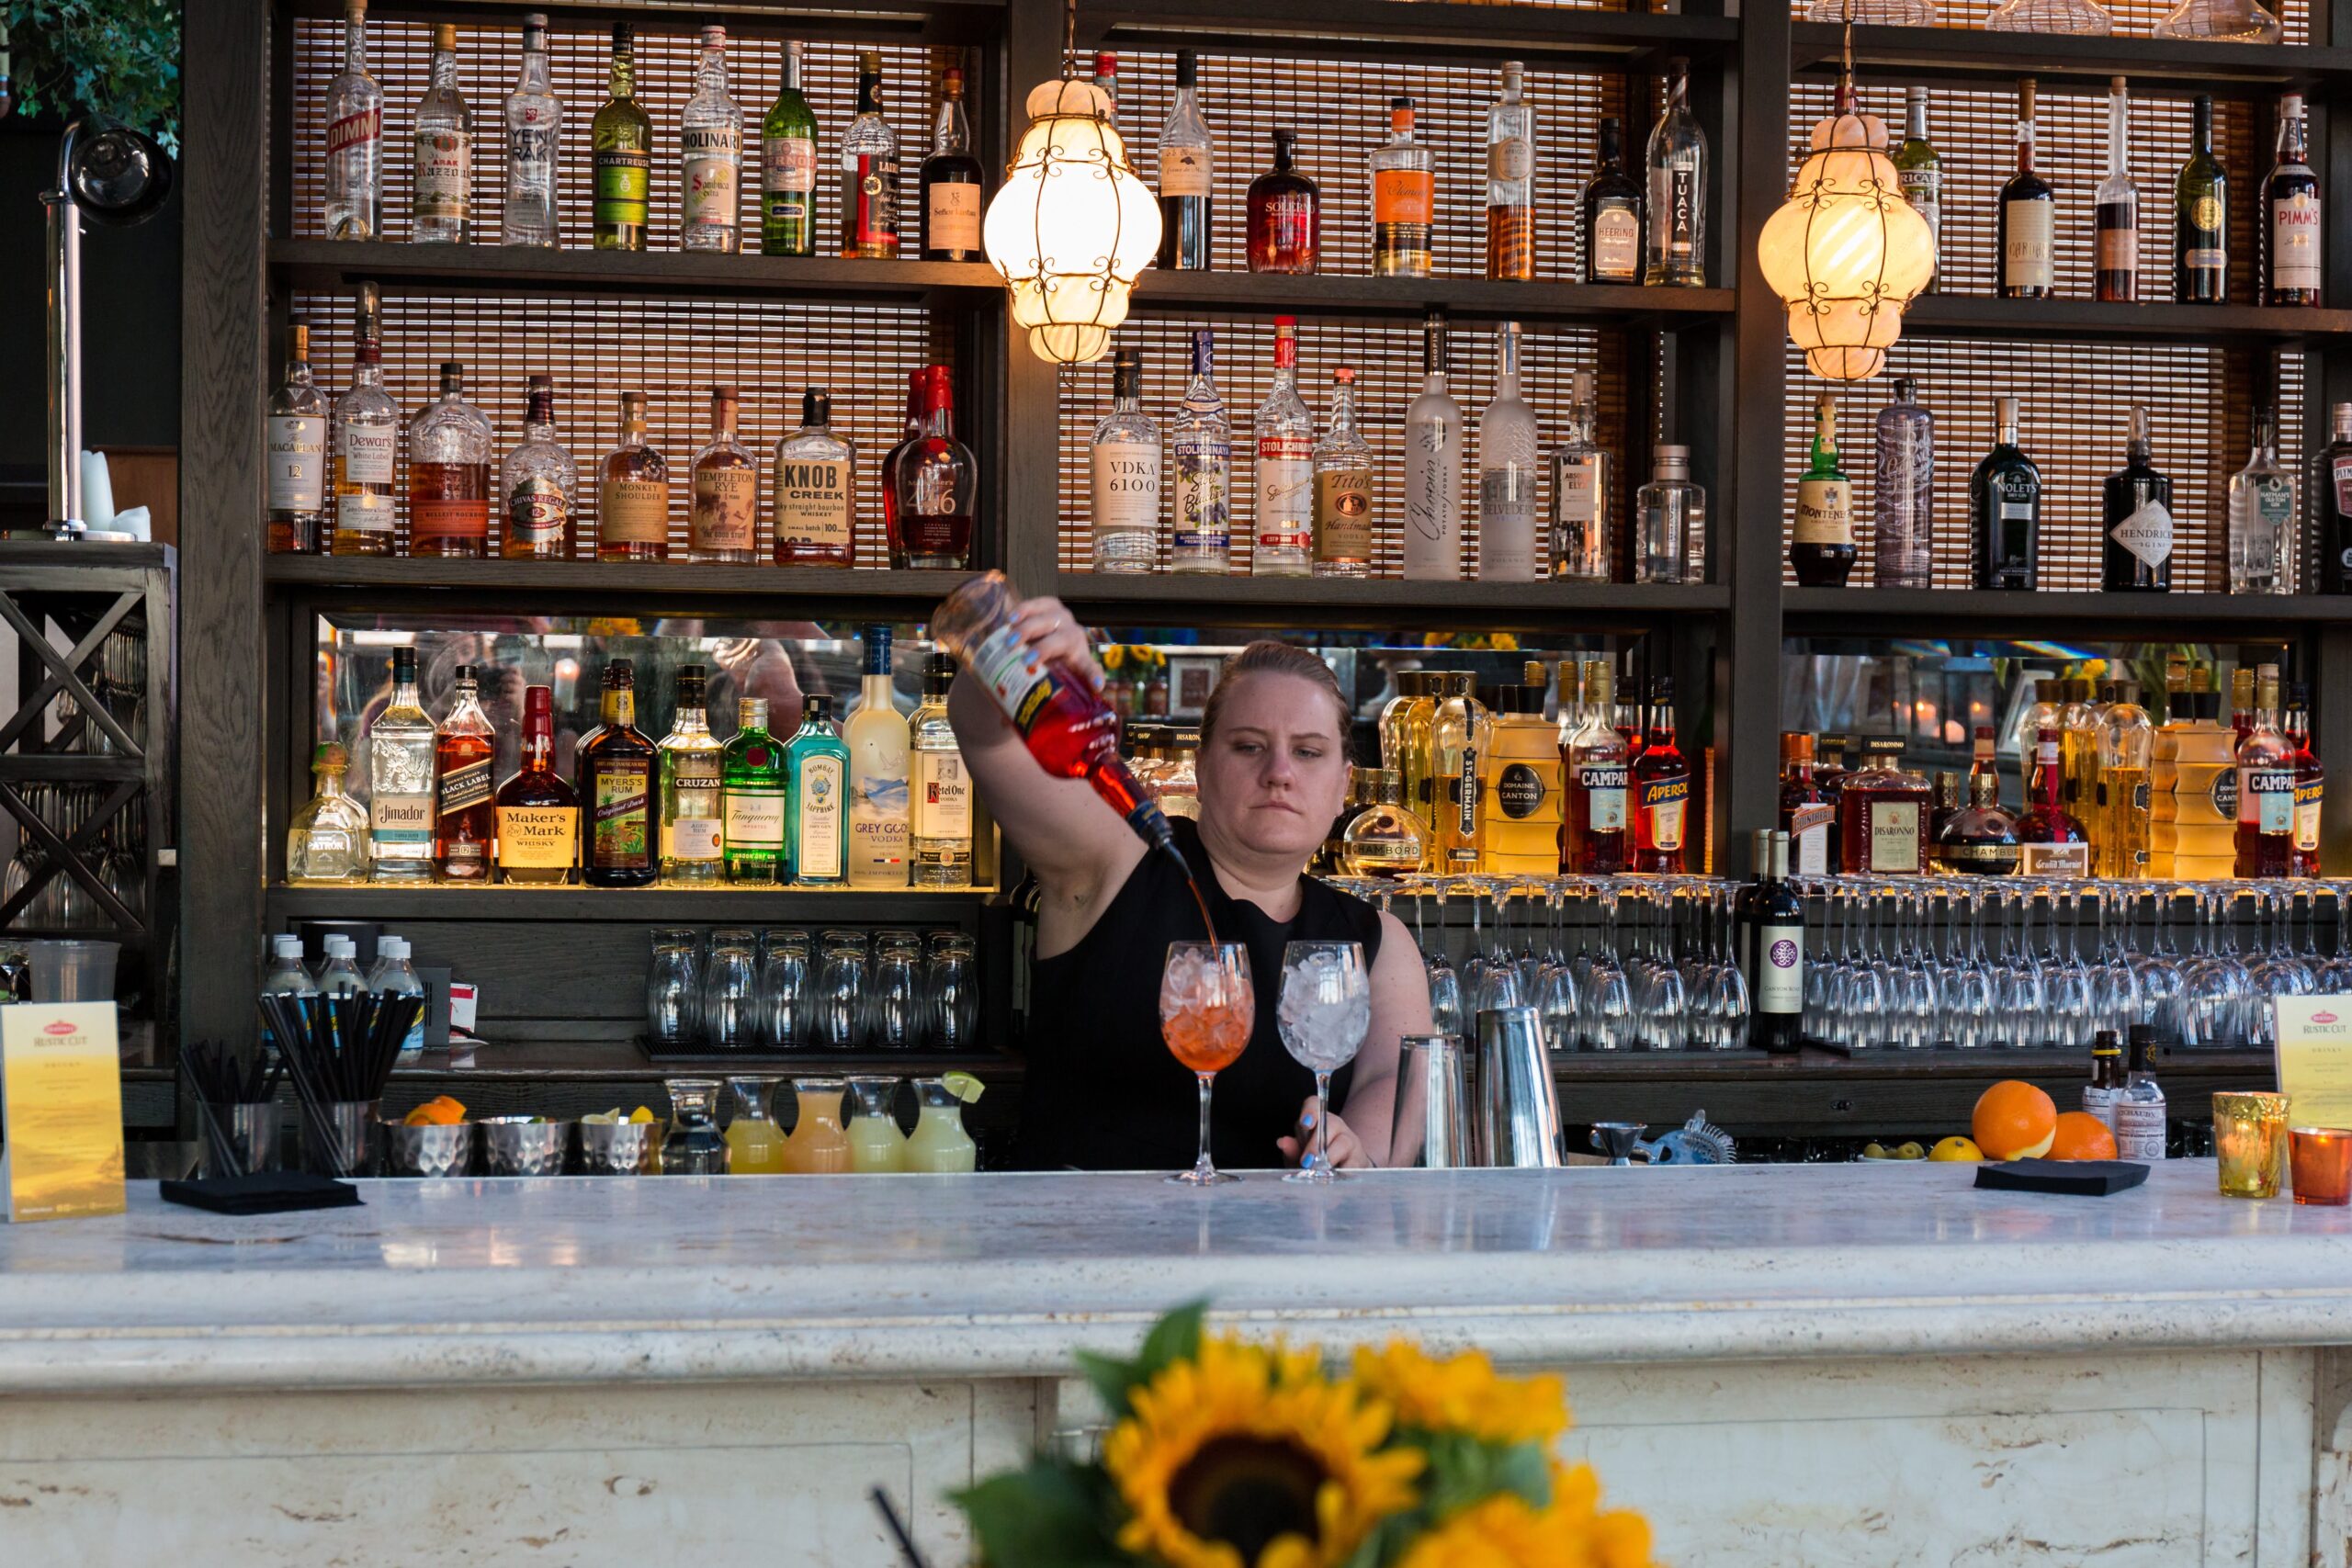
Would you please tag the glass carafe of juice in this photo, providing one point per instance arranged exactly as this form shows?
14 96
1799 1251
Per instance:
694 1147
940 1142
818 1144
754 1143
876 1141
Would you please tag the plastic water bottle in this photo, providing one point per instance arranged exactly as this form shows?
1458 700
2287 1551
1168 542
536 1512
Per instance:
393 973
286 978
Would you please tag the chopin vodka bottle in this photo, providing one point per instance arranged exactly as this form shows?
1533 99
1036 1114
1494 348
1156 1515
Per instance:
1902 496
355 203
1433 468
1200 447
534 143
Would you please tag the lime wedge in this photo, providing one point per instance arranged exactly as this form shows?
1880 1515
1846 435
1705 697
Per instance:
963 1086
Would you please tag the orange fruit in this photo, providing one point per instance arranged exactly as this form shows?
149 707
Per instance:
439 1111
2081 1135
2014 1121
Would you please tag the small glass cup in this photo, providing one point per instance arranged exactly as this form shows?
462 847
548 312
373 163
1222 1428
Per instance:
730 992
894 999
694 1147
841 995
2250 1142
787 1000
673 989
2322 1161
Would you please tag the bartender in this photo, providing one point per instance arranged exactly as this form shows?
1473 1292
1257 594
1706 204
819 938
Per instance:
1103 1093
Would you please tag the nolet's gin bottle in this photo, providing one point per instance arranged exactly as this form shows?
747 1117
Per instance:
1903 496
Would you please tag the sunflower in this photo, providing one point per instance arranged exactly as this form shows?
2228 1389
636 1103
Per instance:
1503 1531
1250 1458
1463 1394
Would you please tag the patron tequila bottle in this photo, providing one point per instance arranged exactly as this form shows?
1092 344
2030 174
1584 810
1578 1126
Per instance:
754 802
1343 491
442 193
538 815
812 496
540 484
1200 446
327 840
465 826
940 806
355 200
693 825
400 781
710 138
789 167
534 145
1123 460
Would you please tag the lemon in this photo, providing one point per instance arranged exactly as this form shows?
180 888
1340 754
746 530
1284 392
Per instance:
640 1116
600 1118
1912 1150
963 1086
1874 1151
1955 1149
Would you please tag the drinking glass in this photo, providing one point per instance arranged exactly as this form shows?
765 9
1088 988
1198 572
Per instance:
787 1000
1969 1018
1608 994
1445 984
673 989
2066 980
1323 1013
952 995
2335 973
841 993
894 999
2115 989
1207 1010
2160 978
730 992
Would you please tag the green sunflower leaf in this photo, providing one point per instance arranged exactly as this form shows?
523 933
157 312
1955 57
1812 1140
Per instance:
1175 1337
1463 1470
1052 1515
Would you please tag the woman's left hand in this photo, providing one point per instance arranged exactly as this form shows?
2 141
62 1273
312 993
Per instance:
1346 1152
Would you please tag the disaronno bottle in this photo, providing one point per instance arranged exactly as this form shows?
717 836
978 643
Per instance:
811 494
1881 813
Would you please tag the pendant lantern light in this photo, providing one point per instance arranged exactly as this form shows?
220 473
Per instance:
1845 253
1072 226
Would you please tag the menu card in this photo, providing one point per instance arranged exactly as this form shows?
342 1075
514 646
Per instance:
2315 1059
60 1110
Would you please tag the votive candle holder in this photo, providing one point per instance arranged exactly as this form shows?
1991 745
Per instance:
2250 1142
2321 1158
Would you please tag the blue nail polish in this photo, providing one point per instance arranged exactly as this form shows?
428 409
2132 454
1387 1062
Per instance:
1306 1161
1307 1122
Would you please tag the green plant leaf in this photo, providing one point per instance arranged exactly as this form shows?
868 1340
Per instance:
1052 1515
1175 1337
1463 1470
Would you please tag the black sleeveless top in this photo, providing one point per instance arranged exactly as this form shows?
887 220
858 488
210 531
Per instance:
1103 1093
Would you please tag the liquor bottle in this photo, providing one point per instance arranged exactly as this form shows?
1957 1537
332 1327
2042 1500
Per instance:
951 181
538 815
723 510
789 167
1508 452
1510 179
1200 447
1661 788
2005 507
940 812
441 197
2137 554
2140 1109
2201 271
1821 544
2265 836
1282 433
465 827
2310 785
1417 753
928 510
327 840
2028 205
2078 751
1520 784
2120 810
2262 516
1675 237
298 453
1404 197
1343 489
1458 737
2107 1077
2242 708
754 798
816 781
2333 490
1385 839
710 141
614 769
2289 233
621 137
1106 82
2118 205
1612 203
1883 814
869 171
813 489
2050 841
1433 468
1981 837
540 483
1776 980
878 739
692 829
1187 174
1903 533
1123 462
1670 521
1808 818
1285 213
1919 172
1596 835
400 753
448 473
534 145
633 493
1580 485
354 197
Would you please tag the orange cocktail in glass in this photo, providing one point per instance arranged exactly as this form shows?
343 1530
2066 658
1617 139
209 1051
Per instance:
1207 1010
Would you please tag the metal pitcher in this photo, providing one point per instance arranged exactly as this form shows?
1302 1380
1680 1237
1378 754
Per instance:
1519 1111
1431 1130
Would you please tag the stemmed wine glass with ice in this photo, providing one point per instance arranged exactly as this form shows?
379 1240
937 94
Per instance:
1324 1014
1207 1010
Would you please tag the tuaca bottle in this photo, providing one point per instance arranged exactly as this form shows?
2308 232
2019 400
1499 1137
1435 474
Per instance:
538 813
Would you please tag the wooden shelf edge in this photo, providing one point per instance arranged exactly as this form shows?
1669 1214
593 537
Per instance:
1477 299
1214 594
691 904
1352 28
327 264
1975 315
1975 50
613 579
1936 608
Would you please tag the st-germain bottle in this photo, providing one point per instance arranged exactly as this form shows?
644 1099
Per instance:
613 767
817 787
441 196
710 139
298 454
2005 508
878 737
2201 218
1510 179
869 171
1343 486
2137 555
1508 452
2028 204
2118 205
465 823
1433 468
1404 197
2333 493
633 493
538 815
1675 248
401 754
929 508
951 180
2262 515
1200 450
813 489
723 507
1821 542
789 167
448 473
362 449
693 826
1285 213
1122 461
621 137
534 145
1580 487
1187 174
1777 982
1282 435
1903 533
940 812
1919 171
754 798
355 197
1661 789
1613 214
2289 234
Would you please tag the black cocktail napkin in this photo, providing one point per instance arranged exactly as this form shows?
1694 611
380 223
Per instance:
265 1192
2079 1178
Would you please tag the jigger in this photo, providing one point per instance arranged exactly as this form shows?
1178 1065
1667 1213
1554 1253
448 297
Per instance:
1519 1109
1618 1140
1431 1129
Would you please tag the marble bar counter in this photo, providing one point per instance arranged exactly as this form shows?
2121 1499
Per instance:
1816 1364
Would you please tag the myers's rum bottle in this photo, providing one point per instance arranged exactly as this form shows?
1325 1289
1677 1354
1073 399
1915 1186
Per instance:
1661 789
614 765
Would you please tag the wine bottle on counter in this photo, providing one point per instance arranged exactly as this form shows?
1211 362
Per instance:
1776 977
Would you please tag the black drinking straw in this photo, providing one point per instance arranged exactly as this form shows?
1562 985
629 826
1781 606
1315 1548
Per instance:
890 1517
